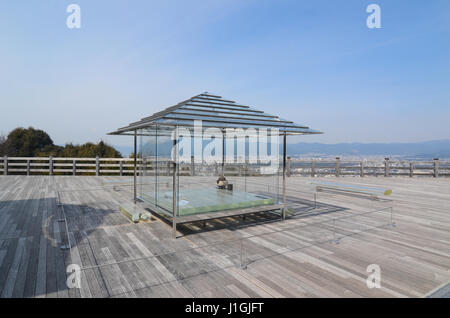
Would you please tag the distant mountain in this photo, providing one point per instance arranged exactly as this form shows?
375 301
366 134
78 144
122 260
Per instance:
428 149
425 150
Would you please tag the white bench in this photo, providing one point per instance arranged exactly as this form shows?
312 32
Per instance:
373 192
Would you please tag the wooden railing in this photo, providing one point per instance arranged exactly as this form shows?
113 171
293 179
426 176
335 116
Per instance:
112 166
295 167
386 167
66 166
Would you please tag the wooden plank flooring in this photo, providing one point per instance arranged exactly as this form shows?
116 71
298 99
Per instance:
322 250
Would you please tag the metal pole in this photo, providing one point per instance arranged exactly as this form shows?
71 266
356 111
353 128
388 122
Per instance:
284 177
135 167
223 153
174 186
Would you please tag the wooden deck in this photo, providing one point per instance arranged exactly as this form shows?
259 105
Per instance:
320 251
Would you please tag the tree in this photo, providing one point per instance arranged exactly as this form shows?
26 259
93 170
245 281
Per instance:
22 142
90 150
2 142
32 142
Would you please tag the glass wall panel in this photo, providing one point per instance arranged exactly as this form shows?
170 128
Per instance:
155 176
227 174
216 171
164 176
146 183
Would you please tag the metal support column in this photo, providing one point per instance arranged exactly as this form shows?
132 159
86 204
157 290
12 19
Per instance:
174 185
135 167
223 153
284 177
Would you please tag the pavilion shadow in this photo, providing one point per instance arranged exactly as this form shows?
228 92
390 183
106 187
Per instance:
303 208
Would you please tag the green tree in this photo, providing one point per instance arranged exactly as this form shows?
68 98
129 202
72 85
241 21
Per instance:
32 142
26 142
2 141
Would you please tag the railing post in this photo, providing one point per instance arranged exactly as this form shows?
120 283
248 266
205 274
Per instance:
5 165
313 168
51 165
121 167
386 167
338 172
74 167
192 166
97 166
288 167
362 169
436 167
411 169
28 167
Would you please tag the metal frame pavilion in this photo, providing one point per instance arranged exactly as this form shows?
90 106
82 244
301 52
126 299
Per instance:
214 112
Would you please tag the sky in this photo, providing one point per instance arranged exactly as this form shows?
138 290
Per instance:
313 62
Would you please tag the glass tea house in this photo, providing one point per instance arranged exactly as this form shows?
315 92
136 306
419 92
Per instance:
209 157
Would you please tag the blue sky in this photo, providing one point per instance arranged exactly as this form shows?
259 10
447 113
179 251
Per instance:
314 62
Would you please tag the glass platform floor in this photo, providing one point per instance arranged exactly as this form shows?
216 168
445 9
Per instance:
199 201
